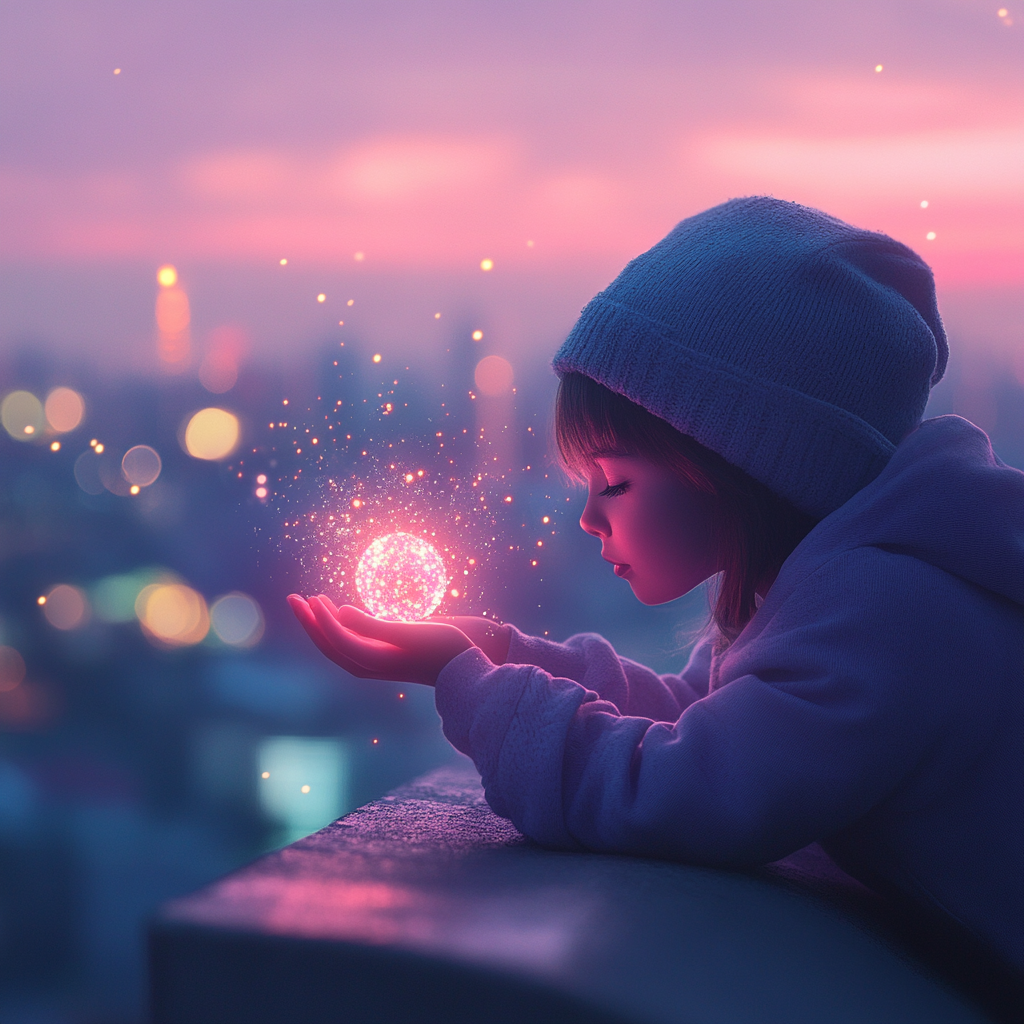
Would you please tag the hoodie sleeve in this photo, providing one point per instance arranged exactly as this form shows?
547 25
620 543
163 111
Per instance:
590 660
817 719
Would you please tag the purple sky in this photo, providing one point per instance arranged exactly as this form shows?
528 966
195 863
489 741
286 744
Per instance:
429 136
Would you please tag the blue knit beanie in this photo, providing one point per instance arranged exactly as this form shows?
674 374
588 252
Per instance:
797 347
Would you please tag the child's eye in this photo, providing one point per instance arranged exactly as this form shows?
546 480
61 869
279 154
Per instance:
614 490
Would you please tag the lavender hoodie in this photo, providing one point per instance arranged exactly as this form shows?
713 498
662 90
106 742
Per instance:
874 703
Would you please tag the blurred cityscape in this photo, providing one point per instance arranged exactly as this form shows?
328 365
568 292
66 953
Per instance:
162 718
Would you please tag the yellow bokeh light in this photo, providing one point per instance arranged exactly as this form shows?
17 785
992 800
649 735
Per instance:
487 264
321 297
65 409
167 276
878 67
924 204
305 789
377 358
22 415
55 446
66 607
930 236
493 376
478 335
283 262
172 614
212 434
1002 12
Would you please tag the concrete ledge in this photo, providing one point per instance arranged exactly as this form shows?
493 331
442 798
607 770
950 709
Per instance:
426 907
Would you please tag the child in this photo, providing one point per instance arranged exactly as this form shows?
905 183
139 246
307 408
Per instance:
745 399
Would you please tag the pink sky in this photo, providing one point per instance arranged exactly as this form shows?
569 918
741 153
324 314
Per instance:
431 135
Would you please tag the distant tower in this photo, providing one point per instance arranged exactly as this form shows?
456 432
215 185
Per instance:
497 448
174 347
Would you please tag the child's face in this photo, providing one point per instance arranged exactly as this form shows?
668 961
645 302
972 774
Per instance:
655 528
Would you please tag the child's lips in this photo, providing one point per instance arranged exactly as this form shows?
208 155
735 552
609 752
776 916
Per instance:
621 568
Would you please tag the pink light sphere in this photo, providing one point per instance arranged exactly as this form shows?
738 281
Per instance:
401 577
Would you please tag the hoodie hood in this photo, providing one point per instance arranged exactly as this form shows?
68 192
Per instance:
944 498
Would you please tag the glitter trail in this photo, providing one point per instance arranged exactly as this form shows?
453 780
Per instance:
401 577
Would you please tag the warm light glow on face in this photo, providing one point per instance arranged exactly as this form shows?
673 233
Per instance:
66 607
478 335
167 276
173 614
22 415
401 577
237 620
211 434
64 409
141 465
493 376
487 264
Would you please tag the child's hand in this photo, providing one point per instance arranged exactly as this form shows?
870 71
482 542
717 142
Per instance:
493 638
407 652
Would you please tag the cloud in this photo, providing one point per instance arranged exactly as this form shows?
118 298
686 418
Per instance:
986 164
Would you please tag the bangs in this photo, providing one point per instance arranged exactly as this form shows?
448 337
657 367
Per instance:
586 424
591 422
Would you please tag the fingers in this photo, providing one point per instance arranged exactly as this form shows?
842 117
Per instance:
308 621
331 606
366 625
368 653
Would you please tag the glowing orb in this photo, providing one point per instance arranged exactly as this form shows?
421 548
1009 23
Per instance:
401 577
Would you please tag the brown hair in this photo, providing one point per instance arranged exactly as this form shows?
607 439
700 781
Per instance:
756 529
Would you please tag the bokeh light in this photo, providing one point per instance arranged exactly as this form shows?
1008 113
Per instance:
225 346
167 276
237 620
113 597
66 607
493 376
22 415
172 614
12 669
401 577
212 434
87 472
141 465
65 409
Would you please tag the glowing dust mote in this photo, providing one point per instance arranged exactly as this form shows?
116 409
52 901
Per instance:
401 577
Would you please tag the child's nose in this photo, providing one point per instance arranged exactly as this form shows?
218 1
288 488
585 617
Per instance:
593 523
